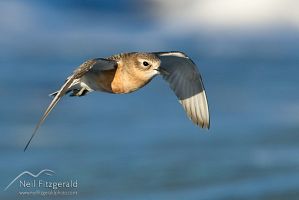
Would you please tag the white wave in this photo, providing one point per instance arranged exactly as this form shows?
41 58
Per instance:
252 14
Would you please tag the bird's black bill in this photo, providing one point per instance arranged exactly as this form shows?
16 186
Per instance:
162 71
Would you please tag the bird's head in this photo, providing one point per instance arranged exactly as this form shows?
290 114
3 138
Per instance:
143 65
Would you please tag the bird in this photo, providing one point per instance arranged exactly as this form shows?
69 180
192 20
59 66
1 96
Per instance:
127 72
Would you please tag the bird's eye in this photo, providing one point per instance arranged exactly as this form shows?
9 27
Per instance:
145 63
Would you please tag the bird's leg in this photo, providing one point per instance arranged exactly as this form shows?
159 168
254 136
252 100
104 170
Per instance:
80 92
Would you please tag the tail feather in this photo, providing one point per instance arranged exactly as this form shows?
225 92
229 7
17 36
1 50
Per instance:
53 94
57 96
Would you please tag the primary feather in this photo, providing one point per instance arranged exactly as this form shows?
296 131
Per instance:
186 82
94 65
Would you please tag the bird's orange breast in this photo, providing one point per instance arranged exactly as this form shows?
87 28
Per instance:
119 81
110 81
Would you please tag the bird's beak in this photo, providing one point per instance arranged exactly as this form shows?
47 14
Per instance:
162 71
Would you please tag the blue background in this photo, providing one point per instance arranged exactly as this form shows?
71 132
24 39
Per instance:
141 145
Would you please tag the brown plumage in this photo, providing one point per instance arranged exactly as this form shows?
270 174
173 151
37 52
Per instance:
128 72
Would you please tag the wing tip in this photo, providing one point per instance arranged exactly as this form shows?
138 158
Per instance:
29 141
207 113
26 146
204 124
172 53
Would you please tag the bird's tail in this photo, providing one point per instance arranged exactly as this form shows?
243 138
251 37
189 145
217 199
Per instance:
57 96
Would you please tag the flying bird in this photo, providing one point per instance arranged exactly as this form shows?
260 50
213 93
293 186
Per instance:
127 72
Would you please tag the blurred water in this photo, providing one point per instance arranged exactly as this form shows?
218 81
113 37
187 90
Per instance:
141 145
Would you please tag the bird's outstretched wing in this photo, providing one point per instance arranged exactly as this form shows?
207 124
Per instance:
94 65
185 80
